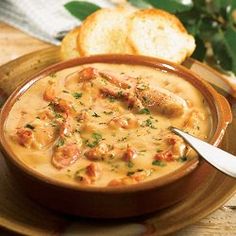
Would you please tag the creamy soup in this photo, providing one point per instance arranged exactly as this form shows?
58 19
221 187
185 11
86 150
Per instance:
107 124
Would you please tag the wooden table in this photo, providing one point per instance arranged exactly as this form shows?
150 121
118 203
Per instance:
14 43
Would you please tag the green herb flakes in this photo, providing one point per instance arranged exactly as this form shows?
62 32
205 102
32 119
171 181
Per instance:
144 111
182 159
158 163
96 139
60 142
77 95
95 114
130 164
29 126
130 173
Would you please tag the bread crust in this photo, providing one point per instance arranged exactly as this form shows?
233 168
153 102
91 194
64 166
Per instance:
151 45
108 28
69 47
127 30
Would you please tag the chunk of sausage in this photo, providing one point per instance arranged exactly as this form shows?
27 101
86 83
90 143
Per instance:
49 94
65 155
97 153
93 171
121 81
176 145
129 154
64 106
165 156
87 74
24 137
162 101
84 75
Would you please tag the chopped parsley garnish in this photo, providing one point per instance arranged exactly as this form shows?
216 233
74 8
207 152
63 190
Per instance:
95 114
53 75
51 105
53 123
129 173
142 86
122 139
81 103
111 98
60 142
57 115
148 123
130 164
29 126
144 111
65 91
158 163
145 99
96 139
97 136
120 94
182 159
77 95
108 112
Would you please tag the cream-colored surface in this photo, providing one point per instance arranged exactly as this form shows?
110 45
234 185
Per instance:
221 222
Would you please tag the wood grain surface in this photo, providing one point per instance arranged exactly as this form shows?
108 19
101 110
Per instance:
14 43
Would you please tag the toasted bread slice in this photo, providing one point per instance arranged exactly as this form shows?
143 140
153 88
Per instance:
69 45
157 33
105 31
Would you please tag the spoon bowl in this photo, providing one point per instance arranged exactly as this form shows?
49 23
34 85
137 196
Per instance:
220 159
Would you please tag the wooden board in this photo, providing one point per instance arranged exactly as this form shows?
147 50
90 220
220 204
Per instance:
13 205
19 214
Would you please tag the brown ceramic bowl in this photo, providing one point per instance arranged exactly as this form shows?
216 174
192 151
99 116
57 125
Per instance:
125 201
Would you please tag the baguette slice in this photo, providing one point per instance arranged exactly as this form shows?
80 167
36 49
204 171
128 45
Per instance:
105 31
69 48
157 33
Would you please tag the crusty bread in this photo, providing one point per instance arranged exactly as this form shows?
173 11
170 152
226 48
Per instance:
105 31
69 45
126 30
157 33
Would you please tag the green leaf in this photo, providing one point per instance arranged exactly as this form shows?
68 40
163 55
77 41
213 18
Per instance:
207 28
80 9
200 51
224 48
172 6
139 3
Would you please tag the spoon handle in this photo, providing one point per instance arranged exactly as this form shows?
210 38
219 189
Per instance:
220 159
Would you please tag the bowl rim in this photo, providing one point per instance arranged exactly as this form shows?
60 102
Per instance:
223 115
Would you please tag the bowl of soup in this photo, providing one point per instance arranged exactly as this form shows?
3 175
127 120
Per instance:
91 136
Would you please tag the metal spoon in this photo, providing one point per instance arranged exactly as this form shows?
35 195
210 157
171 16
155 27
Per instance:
220 159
